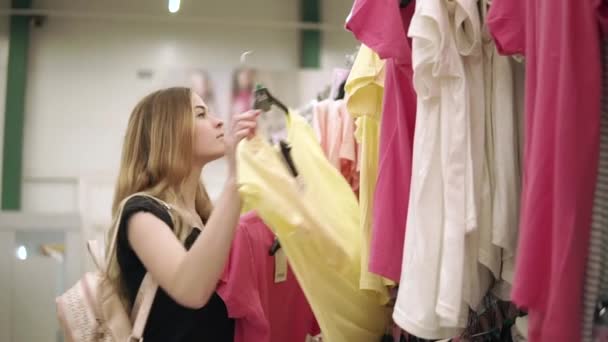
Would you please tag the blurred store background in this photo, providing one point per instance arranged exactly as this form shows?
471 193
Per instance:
70 73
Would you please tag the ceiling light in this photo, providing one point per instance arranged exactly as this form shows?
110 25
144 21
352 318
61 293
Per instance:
174 6
21 253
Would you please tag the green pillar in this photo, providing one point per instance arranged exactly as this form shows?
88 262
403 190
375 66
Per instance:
310 40
12 157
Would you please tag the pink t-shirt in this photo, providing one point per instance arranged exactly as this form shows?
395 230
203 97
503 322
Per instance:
264 311
335 129
382 25
561 44
242 102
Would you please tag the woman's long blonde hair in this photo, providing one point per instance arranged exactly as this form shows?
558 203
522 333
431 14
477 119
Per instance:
157 158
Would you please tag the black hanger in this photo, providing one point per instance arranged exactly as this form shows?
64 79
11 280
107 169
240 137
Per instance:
274 247
263 100
341 92
404 3
286 153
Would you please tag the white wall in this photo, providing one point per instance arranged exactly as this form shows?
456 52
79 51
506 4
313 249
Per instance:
33 284
35 304
336 44
7 260
82 80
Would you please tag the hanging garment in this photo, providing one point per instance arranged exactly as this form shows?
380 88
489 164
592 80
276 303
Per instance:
364 90
382 26
503 151
264 309
316 218
241 102
335 129
480 254
561 155
437 215
596 278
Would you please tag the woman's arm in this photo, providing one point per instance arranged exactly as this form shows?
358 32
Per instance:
191 277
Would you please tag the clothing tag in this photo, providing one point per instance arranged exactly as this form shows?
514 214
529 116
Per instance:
280 266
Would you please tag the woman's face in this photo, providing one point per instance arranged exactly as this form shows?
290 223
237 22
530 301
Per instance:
208 132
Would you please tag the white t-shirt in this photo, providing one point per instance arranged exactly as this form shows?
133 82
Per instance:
505 162
434 253
481 254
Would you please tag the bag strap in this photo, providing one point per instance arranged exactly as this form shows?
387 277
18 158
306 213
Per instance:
141 307
96 252
116 225
147 289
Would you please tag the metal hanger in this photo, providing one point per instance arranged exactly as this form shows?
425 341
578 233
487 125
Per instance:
263 100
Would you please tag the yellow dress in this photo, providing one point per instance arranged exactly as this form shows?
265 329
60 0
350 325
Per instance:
364 92
316 218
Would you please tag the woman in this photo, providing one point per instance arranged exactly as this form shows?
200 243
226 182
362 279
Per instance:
170 137
242 90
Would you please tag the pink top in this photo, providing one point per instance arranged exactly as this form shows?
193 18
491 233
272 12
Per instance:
382 26
242 102
335 129
560 41
264 311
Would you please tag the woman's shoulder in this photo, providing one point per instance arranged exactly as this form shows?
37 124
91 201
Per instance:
142 203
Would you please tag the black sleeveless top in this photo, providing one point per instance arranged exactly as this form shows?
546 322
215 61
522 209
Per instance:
168 320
